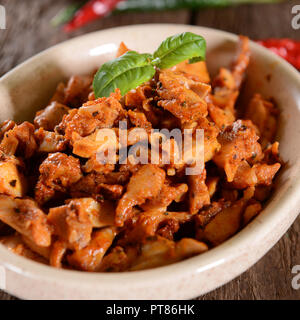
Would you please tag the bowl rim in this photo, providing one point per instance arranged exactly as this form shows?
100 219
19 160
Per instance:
197 264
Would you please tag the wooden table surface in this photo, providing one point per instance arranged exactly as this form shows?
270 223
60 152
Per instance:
28 32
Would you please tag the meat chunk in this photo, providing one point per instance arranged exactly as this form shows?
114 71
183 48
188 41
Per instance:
6 126
197 71
143 185
141 100
12 181
101 113
58 250
252 210
227 83
82 210
74 123
212 184
225 99
177 96
27 218
205 215
221 117
101 214
242 61
271 153
57 173
96 142
244 177
106 110
166 196
198 192
264 115
93 165
51 116
49 141
260 174
90 257
97 185
211 143
224 224
116 261
187 247
71 223
265 173
238 143
139 120
152 222
20 141
113 192
136 98
9 143
159 251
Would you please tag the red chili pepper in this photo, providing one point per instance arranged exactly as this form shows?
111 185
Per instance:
93 10
286 48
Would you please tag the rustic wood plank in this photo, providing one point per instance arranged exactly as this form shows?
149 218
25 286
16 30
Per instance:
256 21
29 30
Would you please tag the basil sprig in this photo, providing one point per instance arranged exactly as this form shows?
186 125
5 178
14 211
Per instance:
178 48
132 69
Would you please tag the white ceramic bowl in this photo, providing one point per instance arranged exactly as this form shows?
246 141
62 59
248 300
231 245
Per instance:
28 88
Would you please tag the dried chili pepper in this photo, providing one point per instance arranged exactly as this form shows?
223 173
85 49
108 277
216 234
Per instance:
286 48
93 10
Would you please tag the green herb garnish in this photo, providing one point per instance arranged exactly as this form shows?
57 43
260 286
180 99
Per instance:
132 69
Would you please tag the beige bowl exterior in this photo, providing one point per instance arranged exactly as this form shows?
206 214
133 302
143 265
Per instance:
28 87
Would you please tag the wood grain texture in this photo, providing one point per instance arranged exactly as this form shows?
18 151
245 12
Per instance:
255 21
29 32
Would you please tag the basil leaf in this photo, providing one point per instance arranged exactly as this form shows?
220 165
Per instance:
180 47
132 69
126 72
196 59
